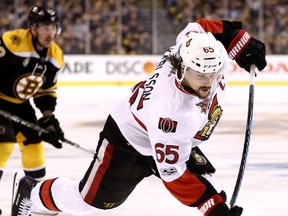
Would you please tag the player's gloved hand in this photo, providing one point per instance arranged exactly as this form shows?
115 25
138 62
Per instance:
223 210
55 135
235 211
247 50
216 206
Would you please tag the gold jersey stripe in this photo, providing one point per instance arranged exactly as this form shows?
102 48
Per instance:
11 99
19 42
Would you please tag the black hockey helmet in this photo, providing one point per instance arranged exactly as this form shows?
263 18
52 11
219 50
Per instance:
43 15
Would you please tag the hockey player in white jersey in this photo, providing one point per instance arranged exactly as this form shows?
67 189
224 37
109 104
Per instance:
157 128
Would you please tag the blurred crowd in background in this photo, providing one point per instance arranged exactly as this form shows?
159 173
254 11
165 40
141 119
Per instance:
148 26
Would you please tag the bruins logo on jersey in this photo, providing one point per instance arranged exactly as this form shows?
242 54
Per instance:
15 39
27 85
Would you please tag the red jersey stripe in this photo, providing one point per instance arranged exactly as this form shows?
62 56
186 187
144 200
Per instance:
99 174
187 188
140 122
211 26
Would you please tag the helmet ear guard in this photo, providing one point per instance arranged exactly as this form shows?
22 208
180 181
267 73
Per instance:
201 52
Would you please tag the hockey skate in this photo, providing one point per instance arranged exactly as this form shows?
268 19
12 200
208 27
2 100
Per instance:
21 203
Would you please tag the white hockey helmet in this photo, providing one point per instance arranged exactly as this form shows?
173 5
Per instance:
202 53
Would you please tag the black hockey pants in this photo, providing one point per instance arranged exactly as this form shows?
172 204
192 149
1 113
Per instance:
115 170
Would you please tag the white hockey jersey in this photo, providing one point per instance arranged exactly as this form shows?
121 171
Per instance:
163 120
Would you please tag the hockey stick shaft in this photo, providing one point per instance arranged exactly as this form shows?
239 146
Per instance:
37 128
76 145
247 137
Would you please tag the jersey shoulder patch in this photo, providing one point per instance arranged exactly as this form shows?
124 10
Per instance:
18 41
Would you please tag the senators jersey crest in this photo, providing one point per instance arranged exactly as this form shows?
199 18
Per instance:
214 115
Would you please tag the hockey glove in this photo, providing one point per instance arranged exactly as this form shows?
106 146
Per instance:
246 50
223 210
55 133
216 206
198 163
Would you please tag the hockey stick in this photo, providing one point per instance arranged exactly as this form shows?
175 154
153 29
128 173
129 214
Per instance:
37 128
247 136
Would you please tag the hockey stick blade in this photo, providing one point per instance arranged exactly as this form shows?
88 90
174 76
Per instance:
247 137
37 128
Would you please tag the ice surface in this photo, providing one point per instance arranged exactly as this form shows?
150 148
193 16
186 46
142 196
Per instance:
82 111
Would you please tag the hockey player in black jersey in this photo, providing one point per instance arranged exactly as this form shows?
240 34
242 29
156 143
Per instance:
30 61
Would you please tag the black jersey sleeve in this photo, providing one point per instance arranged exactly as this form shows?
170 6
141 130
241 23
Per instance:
45 103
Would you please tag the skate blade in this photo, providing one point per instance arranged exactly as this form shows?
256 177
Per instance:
43 213
16 180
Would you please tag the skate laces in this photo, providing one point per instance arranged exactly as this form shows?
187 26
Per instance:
25 207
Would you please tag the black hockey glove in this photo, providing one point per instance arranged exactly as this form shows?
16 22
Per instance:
216 206
55 135
247 50
223 210
198 163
